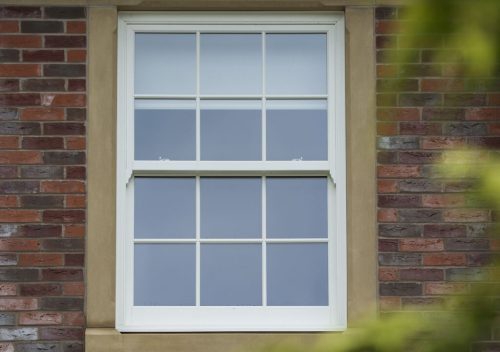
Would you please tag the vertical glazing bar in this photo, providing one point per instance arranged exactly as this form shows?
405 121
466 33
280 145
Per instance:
198 249
264 131
198 155
264 244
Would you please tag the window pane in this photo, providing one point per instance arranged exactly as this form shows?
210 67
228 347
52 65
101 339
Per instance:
231 275
164 207
231 130
296 64
297 130
165 130
164 275
297 274
231 207
297 207
231 63
165 63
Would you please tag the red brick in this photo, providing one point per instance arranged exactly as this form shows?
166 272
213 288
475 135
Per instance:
9 142
8 201
77 85
441 85
62 274
388 274
18 304
75 201
43 55
19 70
75 172
399 171
76 143
387 186
76 27
62 187
494 99
419 274
445 259
73 289
65 41
388 27
387 215
41 259
444 288
399 201
466 215
20 99
494 129
40 318
74 231
9 26
42 114
443 142
77 55
43 143
74 318
63 216
20 41
443 200
386 245
419 128
40 290
64 100
19 216
60 334
421 245
398 114
17 244
20 157
482 114
387 129
8 290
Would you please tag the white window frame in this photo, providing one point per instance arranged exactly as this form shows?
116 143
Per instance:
202 318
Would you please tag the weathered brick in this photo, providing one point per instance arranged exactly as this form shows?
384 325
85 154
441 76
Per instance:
466 274
398 142
63 100
61 303
444 230
387 128
8 114
400 289
62 187
43 85
61 333
418 274
40 318
387 186
398 56
443 200
18 334
64 12
445 259
420 215
21 215
42 202
420 70
40 231
9 142
397 85
399 259
8 289
65 41
63 158
464 99
386 99
8 259
73 289
388 274
420 186
459 186
402 171
386 13
385 245
466 129
43 55
17 128
78 347
420 245
41 172
14 187
9 85
20 99
74 318
71 244
478 230
387 215
398 114
419 157
467 244
41 259
19 275
20 41
7 319
420 128
43 143
75 114
37 347
399 230
422 303
442 85
482 259
466 215
442 142
62 274
40 290
8 230
399 201
64 128
42 114
420 99
20 12
444 288
74 259
77 85
443 114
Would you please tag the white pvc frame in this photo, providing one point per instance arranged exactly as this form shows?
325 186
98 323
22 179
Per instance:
130 318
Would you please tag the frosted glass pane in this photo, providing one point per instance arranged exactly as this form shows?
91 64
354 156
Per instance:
164 275
297 130
231 130
165 63
296 64
297 274
164 207
231 207
231 275
167 132
297 207
231 63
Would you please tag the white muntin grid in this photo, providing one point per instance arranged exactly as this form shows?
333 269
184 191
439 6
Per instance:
202 318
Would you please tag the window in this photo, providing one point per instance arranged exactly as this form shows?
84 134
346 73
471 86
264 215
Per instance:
231 172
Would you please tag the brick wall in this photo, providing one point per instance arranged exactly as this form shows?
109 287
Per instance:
42 178
432 242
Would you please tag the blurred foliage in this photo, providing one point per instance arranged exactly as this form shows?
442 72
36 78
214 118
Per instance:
472 29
